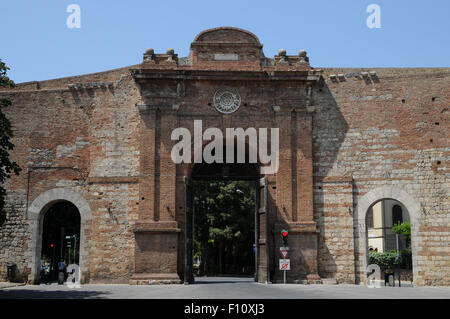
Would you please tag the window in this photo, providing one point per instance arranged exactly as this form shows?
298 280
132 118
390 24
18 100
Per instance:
397 215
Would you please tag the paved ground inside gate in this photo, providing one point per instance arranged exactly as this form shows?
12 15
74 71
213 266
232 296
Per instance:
222 288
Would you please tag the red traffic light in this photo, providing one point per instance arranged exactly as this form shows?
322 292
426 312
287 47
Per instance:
51 245
284 234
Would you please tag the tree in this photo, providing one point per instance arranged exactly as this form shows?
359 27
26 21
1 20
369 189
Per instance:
224 225
403 229
6 134
406 254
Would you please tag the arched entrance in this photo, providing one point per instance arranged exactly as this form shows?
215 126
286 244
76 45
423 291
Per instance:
212 182
392 198
224 219
53 200
388 229
60 239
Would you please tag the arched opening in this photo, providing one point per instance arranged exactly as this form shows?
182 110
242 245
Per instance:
224 227
224 219
223 224
388 240
60 240
35 215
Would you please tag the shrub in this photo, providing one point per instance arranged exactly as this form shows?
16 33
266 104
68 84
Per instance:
388 260
385 260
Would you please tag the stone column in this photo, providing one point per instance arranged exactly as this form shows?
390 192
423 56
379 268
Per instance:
156 232
284 174
147 149
167 171
298 185
304 165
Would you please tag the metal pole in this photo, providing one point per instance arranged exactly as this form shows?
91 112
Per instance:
61 243
398 262
74 248
256 229
53 261
284 275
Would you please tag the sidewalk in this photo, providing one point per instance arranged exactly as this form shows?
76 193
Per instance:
10 284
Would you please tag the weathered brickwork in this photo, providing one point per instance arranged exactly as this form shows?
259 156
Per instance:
13 237
334 215
112 249
391 130
348 138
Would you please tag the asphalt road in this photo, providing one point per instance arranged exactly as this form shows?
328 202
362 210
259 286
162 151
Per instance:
222 288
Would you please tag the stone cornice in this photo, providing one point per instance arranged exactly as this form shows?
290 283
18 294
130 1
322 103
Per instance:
142 74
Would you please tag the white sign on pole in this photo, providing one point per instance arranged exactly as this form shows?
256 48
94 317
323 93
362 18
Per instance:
285 264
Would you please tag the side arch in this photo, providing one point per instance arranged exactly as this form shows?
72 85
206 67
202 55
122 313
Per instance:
363 205
35 216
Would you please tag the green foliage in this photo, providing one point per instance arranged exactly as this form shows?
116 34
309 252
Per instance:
4 80
224 223
403 229
6 134
222 210
197 248
388 260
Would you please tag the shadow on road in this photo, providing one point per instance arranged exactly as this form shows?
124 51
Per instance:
223 280
51 294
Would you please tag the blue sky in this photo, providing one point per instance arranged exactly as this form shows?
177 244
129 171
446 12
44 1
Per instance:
37 45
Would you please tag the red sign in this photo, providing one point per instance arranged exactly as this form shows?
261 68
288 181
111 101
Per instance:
284 251
285 264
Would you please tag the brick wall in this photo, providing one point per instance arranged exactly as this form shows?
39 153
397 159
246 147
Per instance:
386 130
81 139
391 130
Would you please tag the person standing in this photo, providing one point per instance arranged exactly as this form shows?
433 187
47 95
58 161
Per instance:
61 269
46 273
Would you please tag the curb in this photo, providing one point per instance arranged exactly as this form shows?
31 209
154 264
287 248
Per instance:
4 285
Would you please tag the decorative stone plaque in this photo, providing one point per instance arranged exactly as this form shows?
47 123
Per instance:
226 100
226 57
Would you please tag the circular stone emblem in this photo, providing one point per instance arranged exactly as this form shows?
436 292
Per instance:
226 100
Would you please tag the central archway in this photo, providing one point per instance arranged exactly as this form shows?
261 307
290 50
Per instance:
221 234
245 171
224 220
